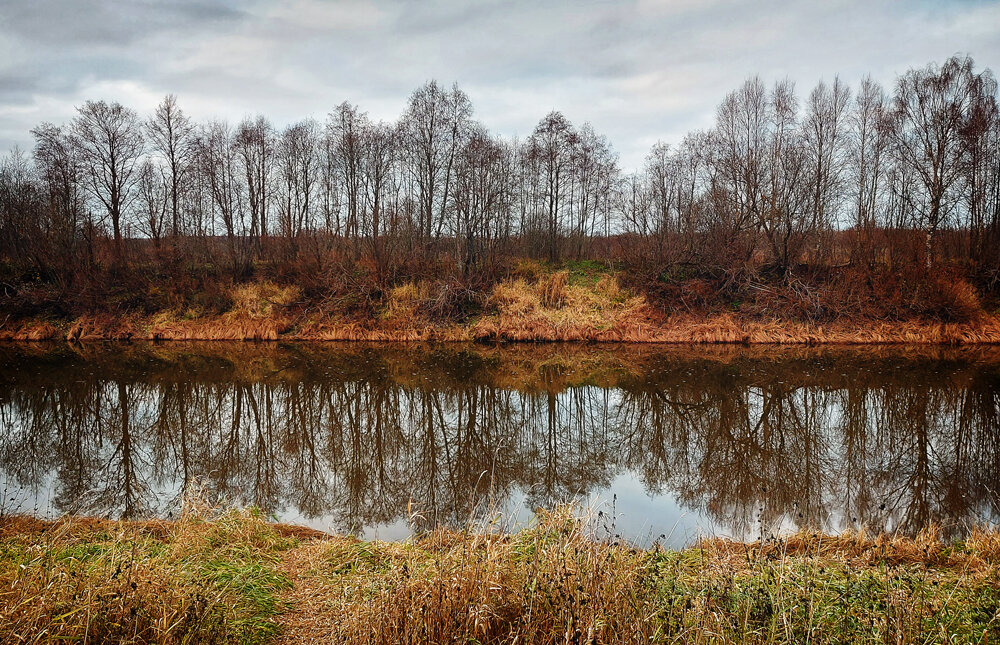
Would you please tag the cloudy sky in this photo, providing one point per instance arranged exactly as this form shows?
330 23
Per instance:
638 71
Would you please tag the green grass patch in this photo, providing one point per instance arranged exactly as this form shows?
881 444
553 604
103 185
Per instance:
586 272
251 589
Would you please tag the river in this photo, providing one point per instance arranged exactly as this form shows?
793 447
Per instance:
658 443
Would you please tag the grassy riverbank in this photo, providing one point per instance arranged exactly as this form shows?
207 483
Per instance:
238 578
584 301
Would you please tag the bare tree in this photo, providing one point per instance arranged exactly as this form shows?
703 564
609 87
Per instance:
742 141
171 134
552 148
154 200
330 190
692 163
435 122
298 172
825 136
785 218
110 141
932 106
981 175
21 212
482 197
61 173
596 170
219 166
255 149
379 156
345 130
870 125
638 205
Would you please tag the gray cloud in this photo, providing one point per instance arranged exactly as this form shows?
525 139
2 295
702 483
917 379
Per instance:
638 71
63 23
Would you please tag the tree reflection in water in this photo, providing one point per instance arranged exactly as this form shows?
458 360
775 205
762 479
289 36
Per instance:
743 439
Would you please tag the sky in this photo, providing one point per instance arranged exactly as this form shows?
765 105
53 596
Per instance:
639 72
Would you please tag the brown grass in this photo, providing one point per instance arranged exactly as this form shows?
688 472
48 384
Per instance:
257 300
538 306
520 319
86 580
404 300
236 578
980 552
551 289
553 309
556 584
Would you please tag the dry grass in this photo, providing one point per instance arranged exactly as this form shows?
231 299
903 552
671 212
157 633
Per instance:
980 552
192 580
551 289
257 300
404 300
555 583
521 317
553 309
610 288
535 305
236 578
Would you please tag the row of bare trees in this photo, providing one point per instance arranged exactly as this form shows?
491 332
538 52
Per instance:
774 178
841 177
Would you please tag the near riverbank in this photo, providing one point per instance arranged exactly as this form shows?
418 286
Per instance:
238 578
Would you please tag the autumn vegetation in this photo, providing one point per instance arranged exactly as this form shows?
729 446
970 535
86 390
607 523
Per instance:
846 215
867 214
234 577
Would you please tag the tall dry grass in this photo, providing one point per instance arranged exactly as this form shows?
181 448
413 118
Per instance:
556 583
554 309
637 324
262 299
552 289
233 577
535 305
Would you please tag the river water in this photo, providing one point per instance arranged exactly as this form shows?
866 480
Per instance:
658 443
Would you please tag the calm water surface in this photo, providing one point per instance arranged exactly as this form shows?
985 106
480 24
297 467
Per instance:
378 440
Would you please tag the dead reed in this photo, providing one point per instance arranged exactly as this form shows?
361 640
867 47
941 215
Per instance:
236 578
555 583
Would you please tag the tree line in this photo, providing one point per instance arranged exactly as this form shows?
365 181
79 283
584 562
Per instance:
874 177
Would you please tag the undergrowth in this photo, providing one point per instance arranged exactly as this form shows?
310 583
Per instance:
583 300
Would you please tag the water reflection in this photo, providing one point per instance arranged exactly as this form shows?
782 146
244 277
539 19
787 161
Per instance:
347 437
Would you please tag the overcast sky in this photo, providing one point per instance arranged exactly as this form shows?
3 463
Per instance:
638 71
